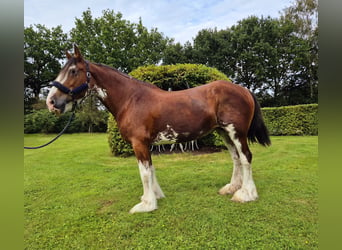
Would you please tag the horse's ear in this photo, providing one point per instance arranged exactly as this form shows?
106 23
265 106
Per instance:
77 52
68 55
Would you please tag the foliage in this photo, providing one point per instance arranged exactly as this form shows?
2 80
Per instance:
114 41
88 194
179 76
175 77
43 121
39 121
304 84
304 14
92 114
117 145
292 120
175 53
43 50
271 57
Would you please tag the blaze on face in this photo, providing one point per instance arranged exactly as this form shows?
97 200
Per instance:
72 75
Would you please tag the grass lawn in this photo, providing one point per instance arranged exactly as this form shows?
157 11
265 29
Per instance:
77 196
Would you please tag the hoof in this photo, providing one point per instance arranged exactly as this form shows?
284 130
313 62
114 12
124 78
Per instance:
143 207
244 195
228 189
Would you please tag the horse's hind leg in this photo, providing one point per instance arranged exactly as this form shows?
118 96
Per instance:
248 191
236 179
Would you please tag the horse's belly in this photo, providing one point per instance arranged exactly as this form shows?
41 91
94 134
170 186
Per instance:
171 135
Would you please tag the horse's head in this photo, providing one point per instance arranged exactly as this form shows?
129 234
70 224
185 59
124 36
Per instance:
70 85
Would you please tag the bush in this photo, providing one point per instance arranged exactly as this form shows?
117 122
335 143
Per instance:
39 121
176 77
292 120
179 76
43 121
117 145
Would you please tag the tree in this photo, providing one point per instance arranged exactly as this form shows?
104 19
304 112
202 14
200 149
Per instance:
263 54
304 15
304 84
91 113
213 48
176 53
43 51
114 41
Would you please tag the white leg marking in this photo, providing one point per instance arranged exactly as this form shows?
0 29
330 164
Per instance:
248 191
148 200
155 185
236 180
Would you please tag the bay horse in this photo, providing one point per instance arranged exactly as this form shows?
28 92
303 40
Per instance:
147 115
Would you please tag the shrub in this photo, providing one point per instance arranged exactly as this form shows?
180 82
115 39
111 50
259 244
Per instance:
39 121
43 121
292 120
179 76
117 145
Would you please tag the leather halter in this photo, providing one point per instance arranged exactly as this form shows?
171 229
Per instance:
77 90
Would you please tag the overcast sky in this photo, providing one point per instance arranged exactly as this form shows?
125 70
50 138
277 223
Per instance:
177 19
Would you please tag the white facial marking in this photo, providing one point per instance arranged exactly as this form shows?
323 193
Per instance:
62 77
102 93
167 136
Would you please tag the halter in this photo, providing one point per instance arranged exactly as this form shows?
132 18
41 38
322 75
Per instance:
72 93
77 90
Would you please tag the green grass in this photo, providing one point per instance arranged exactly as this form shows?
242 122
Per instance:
77 196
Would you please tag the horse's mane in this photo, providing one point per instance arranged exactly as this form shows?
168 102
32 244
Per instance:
126 75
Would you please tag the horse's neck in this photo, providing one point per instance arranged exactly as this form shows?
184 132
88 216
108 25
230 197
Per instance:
112 88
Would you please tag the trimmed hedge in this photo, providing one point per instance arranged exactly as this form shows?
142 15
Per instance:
292 120
179 76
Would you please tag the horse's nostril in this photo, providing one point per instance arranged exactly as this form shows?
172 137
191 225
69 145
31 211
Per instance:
52 102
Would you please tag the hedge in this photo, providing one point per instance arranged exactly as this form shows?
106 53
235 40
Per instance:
179 76
43 121
292 120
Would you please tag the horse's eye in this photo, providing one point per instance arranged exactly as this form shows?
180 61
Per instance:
73 71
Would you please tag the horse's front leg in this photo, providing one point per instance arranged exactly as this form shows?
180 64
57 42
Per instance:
151 187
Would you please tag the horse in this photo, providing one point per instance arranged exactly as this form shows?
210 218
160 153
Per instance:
147 115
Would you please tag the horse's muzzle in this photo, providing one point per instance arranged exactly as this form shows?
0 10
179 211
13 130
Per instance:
54 106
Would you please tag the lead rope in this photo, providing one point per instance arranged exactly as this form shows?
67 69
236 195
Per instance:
60 133
73 92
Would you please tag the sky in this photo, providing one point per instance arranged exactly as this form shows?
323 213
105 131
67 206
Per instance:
176 19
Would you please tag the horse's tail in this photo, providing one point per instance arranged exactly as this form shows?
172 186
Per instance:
258 131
